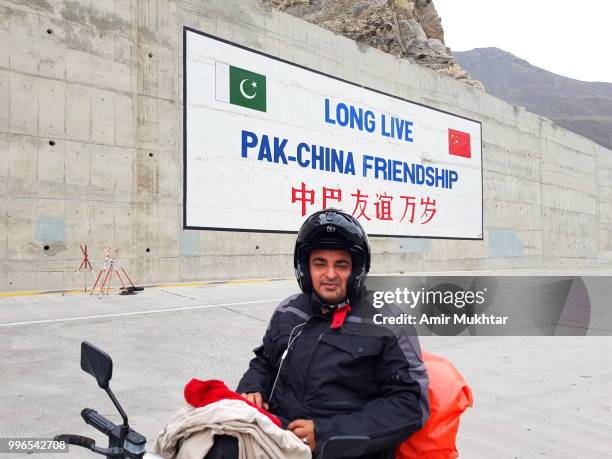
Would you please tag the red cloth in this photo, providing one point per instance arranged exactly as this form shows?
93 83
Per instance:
449 397
340 316
201 393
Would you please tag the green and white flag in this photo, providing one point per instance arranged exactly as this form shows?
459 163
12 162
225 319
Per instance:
240 87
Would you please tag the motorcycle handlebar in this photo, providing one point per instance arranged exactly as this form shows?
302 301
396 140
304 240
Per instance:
97 421
76 440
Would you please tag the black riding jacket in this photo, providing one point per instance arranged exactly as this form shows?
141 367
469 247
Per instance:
360 379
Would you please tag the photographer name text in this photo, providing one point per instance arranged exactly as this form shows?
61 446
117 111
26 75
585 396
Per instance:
454 319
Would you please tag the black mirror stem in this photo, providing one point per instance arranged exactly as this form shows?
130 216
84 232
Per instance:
121 412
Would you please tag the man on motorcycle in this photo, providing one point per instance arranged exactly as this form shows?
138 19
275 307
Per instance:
323 368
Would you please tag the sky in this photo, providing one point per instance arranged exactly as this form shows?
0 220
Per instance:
568 37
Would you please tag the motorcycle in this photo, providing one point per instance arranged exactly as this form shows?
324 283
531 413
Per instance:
125 443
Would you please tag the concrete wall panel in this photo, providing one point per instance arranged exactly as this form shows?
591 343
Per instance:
105 86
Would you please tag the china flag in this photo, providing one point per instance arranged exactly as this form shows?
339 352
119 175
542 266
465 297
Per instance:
459 143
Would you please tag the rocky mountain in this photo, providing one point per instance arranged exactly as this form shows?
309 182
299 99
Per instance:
582 107
410 29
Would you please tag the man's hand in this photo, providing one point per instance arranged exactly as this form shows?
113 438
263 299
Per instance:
304 429
257 399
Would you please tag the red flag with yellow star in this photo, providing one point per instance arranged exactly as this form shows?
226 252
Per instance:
459 143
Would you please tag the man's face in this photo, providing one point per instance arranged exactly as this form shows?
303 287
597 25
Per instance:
330 270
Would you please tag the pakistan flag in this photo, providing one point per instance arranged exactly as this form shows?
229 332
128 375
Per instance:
240 87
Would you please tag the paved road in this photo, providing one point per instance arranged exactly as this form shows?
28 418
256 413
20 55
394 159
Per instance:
534 396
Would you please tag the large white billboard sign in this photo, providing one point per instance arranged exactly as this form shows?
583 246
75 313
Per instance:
268 142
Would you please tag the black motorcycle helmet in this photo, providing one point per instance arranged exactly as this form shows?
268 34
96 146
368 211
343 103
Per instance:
332 229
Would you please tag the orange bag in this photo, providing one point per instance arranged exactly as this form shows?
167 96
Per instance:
449 397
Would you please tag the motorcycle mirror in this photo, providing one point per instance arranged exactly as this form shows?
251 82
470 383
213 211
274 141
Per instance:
97 363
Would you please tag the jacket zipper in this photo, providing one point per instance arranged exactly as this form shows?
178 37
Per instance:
314 354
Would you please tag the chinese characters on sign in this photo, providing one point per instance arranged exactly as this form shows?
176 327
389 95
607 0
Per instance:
381 208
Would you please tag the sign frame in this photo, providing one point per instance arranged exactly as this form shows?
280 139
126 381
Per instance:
187 30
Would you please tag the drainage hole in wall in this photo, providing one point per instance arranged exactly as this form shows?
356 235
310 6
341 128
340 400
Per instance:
150 155
46 247
49 31
52 142
256 247
150 54
148 250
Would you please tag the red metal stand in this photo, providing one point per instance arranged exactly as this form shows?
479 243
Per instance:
85 267
109 268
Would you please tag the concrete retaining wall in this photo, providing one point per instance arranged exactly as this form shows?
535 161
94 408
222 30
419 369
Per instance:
91 145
